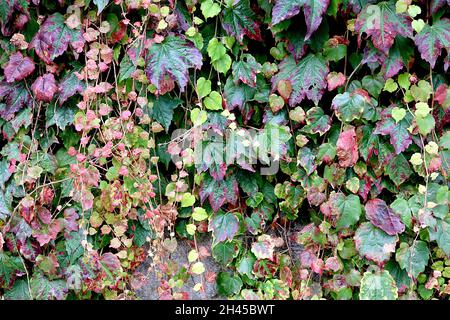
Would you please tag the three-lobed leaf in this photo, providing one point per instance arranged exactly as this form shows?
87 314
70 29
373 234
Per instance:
224 226
382 23
313 10
173 57
432 39
307 78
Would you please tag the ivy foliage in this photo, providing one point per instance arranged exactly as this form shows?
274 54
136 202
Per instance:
113 115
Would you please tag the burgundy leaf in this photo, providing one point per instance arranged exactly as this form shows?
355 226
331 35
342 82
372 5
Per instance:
347 148
54 38
18 67
313 10
400 138
383 217
13 15
45 87
110 262
15 97
432 39
172 57
383 24
44 215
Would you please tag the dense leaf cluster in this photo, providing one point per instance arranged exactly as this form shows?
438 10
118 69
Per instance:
129 126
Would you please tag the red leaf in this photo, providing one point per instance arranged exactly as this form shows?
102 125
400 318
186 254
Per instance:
44 88
347 148
335 80
441 94
47 234
111 262
383 217
18 67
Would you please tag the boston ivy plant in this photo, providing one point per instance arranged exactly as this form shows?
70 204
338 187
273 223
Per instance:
303 145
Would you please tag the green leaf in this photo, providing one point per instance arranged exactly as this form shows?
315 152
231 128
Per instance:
225 252
390 85
222 64
44 289
425 124
349 209
19 291
246 69
398 113
317 121
191 228
198 117
162 110
413 258
418 25
61 116
198 268
373 84
441 233
421 91
215 49
224 226
126 68
199 214
245 265
203 87
398 169
227 284
10 267
213 101
187 200
373 243
378 286
401 207
209 9
254 200
349 106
